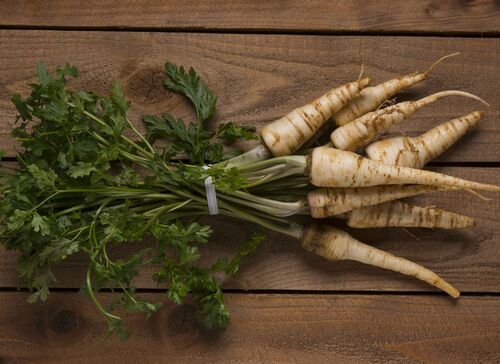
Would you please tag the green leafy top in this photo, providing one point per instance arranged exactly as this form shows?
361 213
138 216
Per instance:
200 144
78 189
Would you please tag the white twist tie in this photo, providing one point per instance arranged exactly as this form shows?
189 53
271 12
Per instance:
213 208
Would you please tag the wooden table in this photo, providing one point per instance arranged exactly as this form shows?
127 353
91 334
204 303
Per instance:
264 58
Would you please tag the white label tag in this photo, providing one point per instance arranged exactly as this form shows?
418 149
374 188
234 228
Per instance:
213 208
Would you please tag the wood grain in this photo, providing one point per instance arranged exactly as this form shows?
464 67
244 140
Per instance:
258 15
264 328
259 78
468 259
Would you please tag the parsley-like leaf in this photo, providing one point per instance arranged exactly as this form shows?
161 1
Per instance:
81 169
117 97
231 267
190 85
43 178
40 224
42 74
230 132
88 182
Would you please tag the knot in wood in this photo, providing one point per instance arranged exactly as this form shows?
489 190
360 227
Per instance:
145 86
64 322
181 319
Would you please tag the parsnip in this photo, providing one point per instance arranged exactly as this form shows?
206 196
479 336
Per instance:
359 132
396 213
326 202
335 244
330 167
416 152
371 97
285 135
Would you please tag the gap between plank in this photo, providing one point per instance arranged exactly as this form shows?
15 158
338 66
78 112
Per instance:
469 164
282 292
336 32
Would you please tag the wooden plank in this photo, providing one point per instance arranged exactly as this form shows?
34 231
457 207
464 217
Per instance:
468 259
264 328
286 16
259 78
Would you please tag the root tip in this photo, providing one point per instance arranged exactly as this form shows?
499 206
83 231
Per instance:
440 60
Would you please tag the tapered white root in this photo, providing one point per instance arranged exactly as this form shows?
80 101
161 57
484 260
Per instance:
335 244
326 202
370 98
396 213
415 153
287 134
331 167
361 131
418 151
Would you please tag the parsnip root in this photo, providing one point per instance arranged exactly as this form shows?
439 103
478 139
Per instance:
361 131
330 167
287 134
326 202
334 244
396 213
418 151
371 97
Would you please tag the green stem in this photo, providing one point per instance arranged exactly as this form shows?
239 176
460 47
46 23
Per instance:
123 137
289 161
150 147
95 300
291 206
292 229
272 177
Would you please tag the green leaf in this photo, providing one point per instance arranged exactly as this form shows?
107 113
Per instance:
231 267
86 146
18 219
178 235
230 132
198 143
44 179
117 97
133 303
67 70
212 312
122 225
64 222
81 169
40 224
177 291
190 85
41 286
43 74
21 107
244 251
116 326
166 126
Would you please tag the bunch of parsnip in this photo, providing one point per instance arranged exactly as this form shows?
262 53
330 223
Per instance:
365 191
87 180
